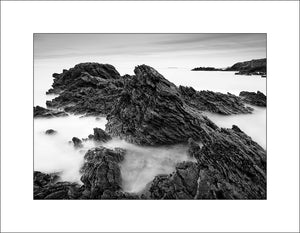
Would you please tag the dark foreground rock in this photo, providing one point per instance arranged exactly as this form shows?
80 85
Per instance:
182 184
231 166
258 98
213 101
77 142
101 171
46 186
47 113
50 131
100 135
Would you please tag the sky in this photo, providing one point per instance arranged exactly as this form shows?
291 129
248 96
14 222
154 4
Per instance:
157 50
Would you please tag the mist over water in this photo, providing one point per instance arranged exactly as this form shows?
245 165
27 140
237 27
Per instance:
254 125
54 153
142 164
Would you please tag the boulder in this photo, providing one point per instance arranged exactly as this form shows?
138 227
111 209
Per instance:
47 113
258 98
101 135
101 171
181 184
50 131
77 142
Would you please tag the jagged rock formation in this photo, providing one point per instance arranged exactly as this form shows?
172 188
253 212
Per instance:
82 90
214 101
101 172
151 111
258 98
100 135
181 184
88 88
230 166
47 113
147 109
46 186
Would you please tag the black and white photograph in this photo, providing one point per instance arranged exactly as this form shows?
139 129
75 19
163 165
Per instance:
150 116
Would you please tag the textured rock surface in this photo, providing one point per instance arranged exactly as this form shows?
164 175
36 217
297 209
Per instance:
151 111
182 184
47 113
230 166
47 187
88 88
213 101
101 171
258 98
100 135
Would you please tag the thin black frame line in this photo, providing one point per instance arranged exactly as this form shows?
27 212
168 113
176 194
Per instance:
147 199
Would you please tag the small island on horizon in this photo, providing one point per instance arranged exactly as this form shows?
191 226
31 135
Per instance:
253 67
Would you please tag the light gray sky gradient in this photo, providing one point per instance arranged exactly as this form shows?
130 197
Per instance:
164 50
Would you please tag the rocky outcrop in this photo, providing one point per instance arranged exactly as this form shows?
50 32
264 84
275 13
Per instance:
214 101
181 184
258 98
151 111
88 88
77 142
47 113
230 166
101 172
253 67
46 186
100 135
50 132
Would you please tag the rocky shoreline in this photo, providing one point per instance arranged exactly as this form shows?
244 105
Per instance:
147 109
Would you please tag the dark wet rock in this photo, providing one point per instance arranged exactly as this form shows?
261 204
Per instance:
84 72
42 179
77 142
108 194
151 111
258 98
50 131
47 113
214 101
101 171
232 166
46 186
101 135
181 184
88 88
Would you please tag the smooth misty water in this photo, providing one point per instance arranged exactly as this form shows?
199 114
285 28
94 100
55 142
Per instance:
54 153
